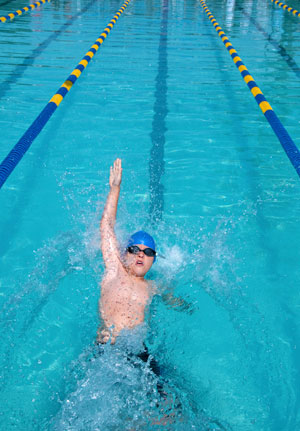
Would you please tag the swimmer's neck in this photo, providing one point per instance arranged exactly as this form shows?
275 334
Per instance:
131 273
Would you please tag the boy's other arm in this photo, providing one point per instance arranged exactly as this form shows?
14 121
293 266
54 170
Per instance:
177 302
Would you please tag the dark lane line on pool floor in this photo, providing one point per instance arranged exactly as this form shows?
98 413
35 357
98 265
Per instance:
157 163
279 48
5 3
252 179
28 61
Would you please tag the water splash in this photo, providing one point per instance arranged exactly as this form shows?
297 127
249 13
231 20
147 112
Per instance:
119 391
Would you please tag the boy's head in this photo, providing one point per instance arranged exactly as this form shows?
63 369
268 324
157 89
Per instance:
140 253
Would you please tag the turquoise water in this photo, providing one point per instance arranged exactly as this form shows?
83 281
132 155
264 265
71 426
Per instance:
203 172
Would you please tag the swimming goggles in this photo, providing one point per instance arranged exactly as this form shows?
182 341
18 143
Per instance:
134 249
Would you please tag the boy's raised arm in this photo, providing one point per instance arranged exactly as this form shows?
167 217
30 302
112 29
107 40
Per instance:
109 243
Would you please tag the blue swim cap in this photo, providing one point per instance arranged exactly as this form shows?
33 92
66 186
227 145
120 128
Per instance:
144 238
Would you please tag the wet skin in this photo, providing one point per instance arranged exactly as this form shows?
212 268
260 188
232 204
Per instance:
125 294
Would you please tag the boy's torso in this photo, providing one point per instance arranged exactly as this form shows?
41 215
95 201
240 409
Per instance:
123 301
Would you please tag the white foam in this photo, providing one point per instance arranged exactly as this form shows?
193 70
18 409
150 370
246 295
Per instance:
174 260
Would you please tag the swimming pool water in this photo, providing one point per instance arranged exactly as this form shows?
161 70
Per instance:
203 172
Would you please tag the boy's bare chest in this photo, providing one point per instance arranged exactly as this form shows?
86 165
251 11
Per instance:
125 291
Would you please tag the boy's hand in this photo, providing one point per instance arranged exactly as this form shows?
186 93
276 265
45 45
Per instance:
115 177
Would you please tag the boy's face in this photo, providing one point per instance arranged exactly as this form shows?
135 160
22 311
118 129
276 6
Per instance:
139 264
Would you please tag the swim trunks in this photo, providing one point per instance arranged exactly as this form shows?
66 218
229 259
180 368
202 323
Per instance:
144 355
154 367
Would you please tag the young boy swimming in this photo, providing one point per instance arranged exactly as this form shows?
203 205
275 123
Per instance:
124 291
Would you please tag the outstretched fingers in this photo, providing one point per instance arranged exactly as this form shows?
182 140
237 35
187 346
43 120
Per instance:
116 173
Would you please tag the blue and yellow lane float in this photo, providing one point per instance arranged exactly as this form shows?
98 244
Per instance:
12 15
284 138
18 151
286 7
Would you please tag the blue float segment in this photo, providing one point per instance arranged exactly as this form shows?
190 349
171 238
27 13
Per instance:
239 63
245 73
62 91
72 78
252 84
260 98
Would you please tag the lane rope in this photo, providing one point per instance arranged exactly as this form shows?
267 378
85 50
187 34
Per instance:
25 9
284 138
286 7
18 151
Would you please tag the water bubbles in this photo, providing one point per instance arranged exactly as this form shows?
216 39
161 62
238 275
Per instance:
173 261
